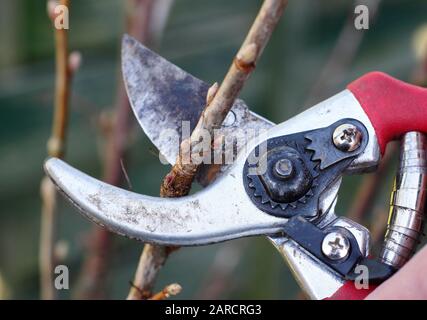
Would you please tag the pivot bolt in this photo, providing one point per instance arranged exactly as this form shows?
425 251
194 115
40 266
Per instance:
335 246
287 177
283 168
347 137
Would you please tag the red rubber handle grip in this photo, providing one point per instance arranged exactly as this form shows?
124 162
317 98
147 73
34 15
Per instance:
394 107
349 292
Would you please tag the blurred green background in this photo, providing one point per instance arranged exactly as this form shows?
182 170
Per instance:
201 36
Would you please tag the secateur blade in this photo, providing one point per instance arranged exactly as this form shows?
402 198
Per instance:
219 212
163 97
204 218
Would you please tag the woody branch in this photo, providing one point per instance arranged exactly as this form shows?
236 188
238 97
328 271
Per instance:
220 99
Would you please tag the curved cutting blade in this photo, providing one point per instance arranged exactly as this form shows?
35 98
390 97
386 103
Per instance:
205 218
220 211
162 96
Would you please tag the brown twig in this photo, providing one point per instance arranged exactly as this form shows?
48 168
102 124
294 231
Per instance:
150 262
91 283
178 182
219 101
66 65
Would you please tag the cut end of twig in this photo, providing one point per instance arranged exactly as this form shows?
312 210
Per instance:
177 183
171 290
174 289
211 93
246 57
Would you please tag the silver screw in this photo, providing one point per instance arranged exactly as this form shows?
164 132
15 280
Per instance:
283 168
335 246
347 137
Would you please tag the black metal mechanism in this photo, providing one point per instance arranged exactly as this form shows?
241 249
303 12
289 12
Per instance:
296 169
310 237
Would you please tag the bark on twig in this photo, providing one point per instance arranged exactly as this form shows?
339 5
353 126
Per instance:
178 182
66 65
92 280
150 262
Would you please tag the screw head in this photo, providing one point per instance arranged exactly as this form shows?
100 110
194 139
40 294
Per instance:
335 245
284 168
347 137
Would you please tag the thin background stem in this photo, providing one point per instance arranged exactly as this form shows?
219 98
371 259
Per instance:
342 55
65 66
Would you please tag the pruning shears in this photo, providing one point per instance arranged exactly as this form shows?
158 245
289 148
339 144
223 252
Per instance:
283 185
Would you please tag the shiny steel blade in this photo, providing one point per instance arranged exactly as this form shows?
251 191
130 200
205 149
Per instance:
219 212
207 217
162 96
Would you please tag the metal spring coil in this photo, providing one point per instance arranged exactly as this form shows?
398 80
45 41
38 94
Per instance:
408 202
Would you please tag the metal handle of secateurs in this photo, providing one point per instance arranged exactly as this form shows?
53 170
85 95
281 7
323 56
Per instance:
408 202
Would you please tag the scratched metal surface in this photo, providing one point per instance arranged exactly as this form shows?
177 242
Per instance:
163 95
